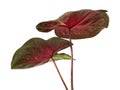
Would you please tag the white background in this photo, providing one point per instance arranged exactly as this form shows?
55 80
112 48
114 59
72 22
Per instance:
97 65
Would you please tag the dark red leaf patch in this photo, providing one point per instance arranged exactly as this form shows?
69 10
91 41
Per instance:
37 51
47 26
77 24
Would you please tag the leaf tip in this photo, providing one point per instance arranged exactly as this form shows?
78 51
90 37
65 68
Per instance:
47 26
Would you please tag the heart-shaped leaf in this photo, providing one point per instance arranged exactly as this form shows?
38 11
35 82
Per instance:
37 51
77 24
61 56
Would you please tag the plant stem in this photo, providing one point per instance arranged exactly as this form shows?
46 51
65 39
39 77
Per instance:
71 48
59 74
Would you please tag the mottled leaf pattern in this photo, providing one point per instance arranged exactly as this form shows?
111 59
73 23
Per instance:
37 51
80 24
47 26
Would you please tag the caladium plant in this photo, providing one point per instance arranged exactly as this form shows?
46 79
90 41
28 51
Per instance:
80 24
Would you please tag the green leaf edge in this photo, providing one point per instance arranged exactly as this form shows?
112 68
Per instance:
61 56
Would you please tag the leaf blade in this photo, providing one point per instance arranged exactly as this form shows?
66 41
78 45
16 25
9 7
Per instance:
83 24
61 56
37 51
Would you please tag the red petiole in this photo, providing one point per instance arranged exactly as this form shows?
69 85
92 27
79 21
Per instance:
59 74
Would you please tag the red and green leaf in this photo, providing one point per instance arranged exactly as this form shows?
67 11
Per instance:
37 51
47 26
79 24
